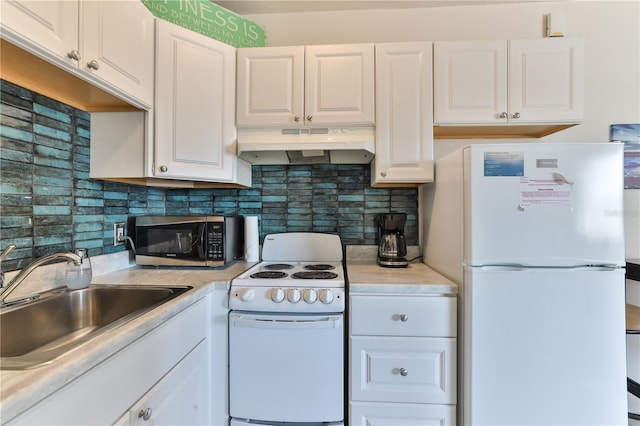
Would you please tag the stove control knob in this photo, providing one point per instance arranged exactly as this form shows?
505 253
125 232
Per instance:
246 294
310 295
293 295
326 296
277 295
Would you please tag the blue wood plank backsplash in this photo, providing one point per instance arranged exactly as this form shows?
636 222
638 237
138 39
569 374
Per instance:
48 202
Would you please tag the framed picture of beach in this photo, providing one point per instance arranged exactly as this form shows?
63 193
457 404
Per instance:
630 135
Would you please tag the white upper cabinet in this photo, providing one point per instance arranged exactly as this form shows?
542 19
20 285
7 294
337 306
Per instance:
312 85
108 43
404 111
195 135
270 86
47 28
116 45
546 80
509 82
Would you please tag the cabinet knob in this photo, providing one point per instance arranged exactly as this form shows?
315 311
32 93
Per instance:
383 174
93 64
309 118
296 118
503 115
404 317
145 414
74 54
163 169
404 372
516 115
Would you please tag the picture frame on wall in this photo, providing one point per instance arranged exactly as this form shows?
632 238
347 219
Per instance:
629 134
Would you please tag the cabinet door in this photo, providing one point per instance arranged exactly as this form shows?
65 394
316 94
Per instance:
546 80
270 86
407 369
116 44
195 104
404 112
46 28
180 397
378 414
470 82
339 84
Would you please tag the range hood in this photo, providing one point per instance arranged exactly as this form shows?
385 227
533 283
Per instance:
302 145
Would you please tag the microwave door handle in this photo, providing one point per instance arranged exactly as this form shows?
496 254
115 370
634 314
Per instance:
202 247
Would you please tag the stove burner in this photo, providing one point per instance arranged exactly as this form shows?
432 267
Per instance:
273 266
319 267
269 274
315 275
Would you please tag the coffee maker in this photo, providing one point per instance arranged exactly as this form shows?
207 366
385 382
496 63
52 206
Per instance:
392 249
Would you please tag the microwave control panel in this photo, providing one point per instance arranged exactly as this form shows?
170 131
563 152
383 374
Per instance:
215 241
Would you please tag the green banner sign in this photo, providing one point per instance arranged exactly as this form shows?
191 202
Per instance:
209 19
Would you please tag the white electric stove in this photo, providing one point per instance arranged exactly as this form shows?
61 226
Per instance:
286 334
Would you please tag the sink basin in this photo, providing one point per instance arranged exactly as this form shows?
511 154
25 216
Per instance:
38 332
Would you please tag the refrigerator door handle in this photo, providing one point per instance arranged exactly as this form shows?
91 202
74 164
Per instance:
558 178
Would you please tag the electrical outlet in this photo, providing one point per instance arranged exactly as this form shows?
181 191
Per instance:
118 234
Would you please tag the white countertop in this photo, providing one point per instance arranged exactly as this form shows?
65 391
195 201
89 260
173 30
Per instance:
367 277
19 390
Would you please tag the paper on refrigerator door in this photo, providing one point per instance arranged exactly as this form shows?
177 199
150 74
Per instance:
545 191
251 237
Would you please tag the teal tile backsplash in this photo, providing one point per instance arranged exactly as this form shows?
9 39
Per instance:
48 202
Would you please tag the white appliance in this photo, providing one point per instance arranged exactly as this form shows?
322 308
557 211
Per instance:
286 334
533 233
307 145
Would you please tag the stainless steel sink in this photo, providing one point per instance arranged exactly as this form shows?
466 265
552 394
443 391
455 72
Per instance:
38 332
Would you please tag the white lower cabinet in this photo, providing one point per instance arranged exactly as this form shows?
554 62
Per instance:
166 370
382 414
402 355
180 397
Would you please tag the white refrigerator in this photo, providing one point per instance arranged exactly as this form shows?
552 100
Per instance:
533 233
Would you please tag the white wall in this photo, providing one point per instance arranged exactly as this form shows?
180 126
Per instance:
611 30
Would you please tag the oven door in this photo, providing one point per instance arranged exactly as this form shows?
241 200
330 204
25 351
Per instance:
286 367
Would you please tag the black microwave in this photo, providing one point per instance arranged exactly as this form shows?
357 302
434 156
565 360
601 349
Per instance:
211 241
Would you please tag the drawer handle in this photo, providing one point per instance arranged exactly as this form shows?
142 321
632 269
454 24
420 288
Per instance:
145 414
404 317
404 372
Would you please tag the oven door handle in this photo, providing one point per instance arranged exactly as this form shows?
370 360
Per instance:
238 320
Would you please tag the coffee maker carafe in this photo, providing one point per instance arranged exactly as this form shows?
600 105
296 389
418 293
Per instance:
392 249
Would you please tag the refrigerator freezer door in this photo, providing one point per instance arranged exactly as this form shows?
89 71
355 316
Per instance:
544 204
544 346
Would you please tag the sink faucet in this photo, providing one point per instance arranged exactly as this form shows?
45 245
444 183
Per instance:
15 282
3 255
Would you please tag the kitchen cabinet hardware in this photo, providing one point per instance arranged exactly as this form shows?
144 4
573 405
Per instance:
516 115
404 317
164 169
93 64
503 115
296 118
74 54
404 372
309 118
145 414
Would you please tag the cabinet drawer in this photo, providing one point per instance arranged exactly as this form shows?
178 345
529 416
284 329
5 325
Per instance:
381 414
403 316
408 369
